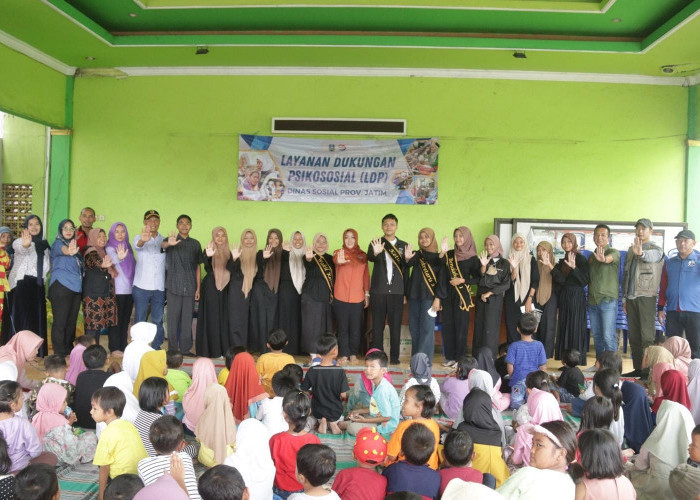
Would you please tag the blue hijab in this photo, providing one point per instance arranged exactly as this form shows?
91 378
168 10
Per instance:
59 237
638 418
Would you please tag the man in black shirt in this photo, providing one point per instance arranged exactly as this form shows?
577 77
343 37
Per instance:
182 281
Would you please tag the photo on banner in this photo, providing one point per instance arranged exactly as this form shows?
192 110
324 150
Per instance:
400 171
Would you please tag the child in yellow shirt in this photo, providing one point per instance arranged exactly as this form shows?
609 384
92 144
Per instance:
271 362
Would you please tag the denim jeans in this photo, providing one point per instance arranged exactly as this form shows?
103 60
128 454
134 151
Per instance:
518 395
156 299
603 325
422 327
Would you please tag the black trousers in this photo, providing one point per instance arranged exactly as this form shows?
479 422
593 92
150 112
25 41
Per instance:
548 325
29 309
679 321
386 305
348 317
512 308
65 304
119 333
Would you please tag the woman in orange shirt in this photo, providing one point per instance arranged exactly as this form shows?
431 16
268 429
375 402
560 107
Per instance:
351 295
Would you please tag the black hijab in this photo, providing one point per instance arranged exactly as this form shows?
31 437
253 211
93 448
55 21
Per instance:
40 246
484 357
478 419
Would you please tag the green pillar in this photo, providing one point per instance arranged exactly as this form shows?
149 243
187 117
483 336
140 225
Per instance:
692 181
59 172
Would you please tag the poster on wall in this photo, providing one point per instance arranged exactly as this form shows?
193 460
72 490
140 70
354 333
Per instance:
402 171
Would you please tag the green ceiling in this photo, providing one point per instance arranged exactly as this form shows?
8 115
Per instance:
606 36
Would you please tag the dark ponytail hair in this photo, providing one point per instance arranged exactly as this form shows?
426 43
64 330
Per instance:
425 396
9 390
608 381
5 461
597 413
297 406
465 364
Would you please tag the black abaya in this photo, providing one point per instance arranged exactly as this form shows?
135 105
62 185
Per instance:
487 324
571 301
263 310
289 307
512 306
29 309
316 311
212 321
455 321
238 305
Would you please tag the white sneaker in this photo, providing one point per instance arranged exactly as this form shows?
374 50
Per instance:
590 369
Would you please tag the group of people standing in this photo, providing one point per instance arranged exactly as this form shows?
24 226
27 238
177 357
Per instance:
305 290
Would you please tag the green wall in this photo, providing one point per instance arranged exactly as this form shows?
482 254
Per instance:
24 157
30 89
508 149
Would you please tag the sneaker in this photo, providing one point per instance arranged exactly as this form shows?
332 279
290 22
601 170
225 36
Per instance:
633 374
447 363
590 369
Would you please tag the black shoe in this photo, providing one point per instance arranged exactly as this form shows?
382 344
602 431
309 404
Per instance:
394 362
189 354
633 374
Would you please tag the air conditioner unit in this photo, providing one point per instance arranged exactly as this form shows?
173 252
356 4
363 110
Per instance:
338 126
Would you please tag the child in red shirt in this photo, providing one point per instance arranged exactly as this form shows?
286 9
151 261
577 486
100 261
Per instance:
364 482
284 446
459 452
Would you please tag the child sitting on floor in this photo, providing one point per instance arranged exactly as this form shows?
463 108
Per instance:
295 371
607 383
455 389
606 359
55 369
571 381
222 481
328 385
285 445
418 407
119 448
384 408
167 438
124 486
23 444
75 362
601 472
458 456
421 373
216 428
270 410
413 473
364 482
271 362
524 356
88 382
178 379
55 431
228 359
37 482
315 466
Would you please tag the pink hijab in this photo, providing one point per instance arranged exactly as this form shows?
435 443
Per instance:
76 366
367 383
680 348
203 375
543 407
49 402
21 348
497 247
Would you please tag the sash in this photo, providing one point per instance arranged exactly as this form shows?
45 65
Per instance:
428 274
463 290
395 255
327 272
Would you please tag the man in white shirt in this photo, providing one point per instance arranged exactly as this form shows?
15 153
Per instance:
149 277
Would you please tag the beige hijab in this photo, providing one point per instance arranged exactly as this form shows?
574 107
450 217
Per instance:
218 262
521 284
544 290
216 428
248 265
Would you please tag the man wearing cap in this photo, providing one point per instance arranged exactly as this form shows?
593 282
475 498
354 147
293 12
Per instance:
87 219
149 277
680 292
640 287
182 281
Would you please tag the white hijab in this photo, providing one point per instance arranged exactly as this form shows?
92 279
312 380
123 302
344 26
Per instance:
252 458
296 262
142 334
670 438
694 388
521 284
8 371
122 382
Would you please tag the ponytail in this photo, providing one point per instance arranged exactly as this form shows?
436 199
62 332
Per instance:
297 406
608 381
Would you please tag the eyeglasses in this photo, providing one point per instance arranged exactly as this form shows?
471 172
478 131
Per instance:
68 228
